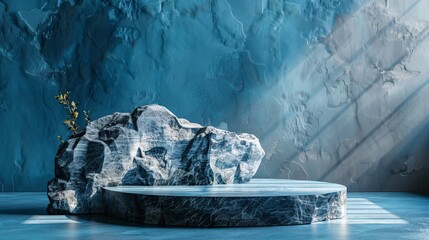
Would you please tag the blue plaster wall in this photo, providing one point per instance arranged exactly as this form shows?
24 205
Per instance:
334 89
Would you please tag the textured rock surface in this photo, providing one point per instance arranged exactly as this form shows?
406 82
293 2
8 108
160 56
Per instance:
258 203
150 146
336 90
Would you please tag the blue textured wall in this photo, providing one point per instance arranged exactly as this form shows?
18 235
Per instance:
334 89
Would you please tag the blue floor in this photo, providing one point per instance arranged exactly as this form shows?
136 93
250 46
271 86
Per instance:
370 216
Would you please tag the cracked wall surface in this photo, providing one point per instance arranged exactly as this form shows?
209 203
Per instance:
335 90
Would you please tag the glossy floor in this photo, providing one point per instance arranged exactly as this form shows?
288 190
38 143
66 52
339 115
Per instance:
370 216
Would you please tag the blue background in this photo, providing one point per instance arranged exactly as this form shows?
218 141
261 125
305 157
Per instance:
335 90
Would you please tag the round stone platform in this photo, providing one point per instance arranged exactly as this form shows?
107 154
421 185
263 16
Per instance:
261 202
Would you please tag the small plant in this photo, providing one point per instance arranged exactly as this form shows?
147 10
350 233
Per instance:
60 138
73 113
87 118
71 106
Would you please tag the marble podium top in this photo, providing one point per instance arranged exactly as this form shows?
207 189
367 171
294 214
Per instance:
257 187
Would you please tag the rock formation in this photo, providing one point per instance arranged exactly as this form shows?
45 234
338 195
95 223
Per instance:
150 146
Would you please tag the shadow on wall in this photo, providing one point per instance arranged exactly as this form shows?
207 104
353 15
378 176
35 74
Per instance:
357 161
383 108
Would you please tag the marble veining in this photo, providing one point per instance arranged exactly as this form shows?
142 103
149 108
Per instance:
375 215
262 202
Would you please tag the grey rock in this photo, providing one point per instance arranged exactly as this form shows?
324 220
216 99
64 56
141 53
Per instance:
262 202
150 146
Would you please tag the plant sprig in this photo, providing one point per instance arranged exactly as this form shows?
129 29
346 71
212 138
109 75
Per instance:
60 138
87 118
73 113
71 106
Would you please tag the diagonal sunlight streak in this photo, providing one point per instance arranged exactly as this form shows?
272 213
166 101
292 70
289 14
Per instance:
49 219
359 52
424 35
320 87
355 55
348 155
340 112
363 211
